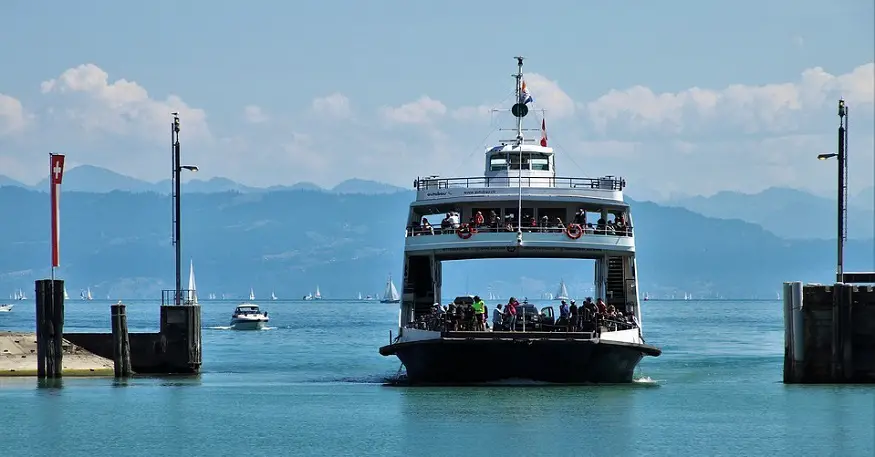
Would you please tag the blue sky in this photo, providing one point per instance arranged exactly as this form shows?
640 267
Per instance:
280 92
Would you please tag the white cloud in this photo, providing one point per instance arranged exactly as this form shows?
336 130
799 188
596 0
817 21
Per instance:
549 96
121 107
253 114
770 108
425 110
334 106
12 116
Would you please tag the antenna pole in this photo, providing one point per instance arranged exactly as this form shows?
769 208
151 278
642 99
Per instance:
177 232
519 142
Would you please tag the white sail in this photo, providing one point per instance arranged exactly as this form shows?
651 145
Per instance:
360 295
390 295
272 295
66 296
251 294
192 287
563 292
317 295
88 295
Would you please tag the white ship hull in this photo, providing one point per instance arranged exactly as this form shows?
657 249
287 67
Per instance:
248 323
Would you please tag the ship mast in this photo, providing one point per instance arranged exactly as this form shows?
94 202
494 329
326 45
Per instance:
519 110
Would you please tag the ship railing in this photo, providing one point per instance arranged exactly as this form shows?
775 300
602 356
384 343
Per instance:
612 183
585 230
184 298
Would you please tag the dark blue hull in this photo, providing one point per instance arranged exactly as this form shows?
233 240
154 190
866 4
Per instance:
555 360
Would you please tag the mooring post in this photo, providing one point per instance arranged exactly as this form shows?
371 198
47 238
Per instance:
41 324
49 327
121 346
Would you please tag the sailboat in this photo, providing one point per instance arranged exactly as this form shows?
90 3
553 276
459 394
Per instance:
390 295
563 292
66 295
191 295
360 296
317 295
251 294
88 294
272 295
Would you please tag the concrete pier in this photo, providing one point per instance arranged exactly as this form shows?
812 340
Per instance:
18 357
829 331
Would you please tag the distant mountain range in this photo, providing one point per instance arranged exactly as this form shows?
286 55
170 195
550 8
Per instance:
290 241
788 213
88 178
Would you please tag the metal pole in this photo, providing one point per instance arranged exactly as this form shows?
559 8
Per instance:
177 232
841 233
519 137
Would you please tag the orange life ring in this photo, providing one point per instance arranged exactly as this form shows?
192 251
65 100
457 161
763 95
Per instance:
574 231
465 231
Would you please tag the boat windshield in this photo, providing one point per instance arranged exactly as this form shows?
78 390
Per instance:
247 309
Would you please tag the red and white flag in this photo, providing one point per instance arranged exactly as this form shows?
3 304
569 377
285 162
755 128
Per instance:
544 133
56 174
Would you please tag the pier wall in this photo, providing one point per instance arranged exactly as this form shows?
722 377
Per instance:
176 349
829 333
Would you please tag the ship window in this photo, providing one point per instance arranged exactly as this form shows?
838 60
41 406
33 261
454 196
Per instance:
515 162
510 215
497 164
552 214
540 162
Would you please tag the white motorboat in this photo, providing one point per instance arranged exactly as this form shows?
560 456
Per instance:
6 308
247 316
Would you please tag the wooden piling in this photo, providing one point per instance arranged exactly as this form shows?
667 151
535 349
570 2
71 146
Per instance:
121 345
49 327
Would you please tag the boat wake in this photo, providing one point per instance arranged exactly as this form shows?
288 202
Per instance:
227 327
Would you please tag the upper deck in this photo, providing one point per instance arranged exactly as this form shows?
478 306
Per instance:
607 189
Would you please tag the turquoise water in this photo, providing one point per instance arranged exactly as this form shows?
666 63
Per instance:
311 385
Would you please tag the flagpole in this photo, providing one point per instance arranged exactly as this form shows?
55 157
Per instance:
519 137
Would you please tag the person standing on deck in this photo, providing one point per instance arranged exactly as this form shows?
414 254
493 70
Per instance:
497 318
572 310
511 314
478 313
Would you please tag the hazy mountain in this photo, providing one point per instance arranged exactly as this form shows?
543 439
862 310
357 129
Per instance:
787 213
364 186
88 178
118 243
865 199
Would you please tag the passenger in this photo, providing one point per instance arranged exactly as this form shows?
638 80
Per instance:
572 310
485 317
468 317
563 311
447 224
478 306
510 314
478 219
603 309
425 227
580 217
591 309
497 318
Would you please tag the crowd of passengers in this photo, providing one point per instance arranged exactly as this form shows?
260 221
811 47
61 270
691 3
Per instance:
590 316
494 223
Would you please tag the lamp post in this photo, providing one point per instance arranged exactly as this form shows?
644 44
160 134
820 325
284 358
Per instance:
177 228
842 210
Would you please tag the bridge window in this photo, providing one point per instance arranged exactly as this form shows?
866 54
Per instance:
498 164
540 162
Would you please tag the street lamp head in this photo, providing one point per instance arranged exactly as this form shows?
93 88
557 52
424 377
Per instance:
189 167
842 109
826 156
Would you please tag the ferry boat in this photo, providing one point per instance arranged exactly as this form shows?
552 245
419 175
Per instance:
248 316
478 218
